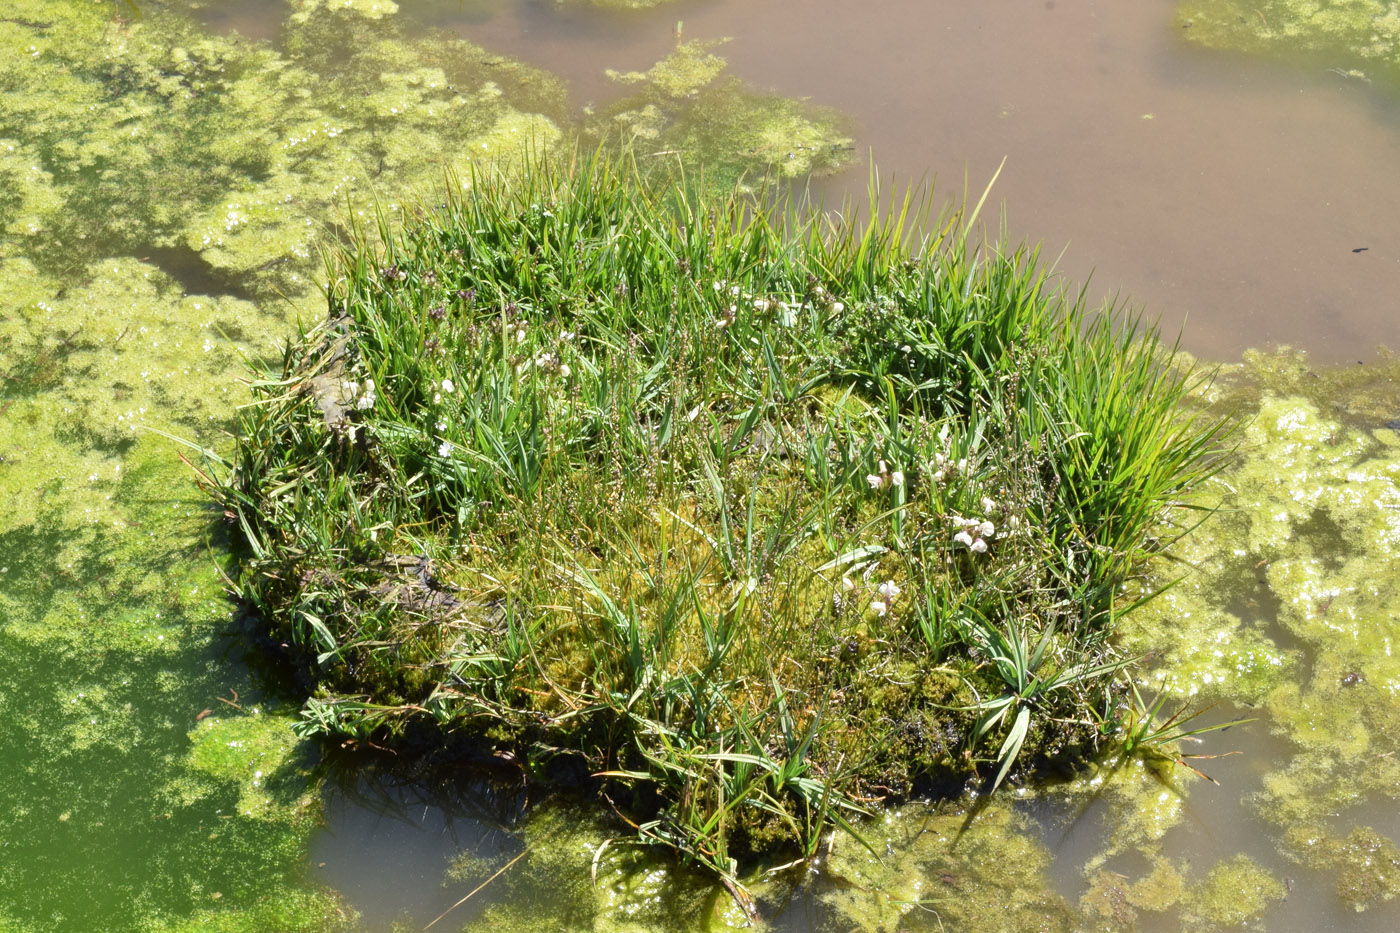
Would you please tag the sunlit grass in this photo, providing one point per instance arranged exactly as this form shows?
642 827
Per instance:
761 516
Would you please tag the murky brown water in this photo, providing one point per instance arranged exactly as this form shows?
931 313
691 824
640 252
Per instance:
1222 193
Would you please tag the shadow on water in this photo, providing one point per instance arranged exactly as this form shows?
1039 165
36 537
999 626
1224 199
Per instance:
410 846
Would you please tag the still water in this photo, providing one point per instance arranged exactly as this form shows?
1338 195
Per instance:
153 782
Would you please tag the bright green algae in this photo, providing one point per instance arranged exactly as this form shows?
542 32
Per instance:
125 810
138 799
1355 38
1290 606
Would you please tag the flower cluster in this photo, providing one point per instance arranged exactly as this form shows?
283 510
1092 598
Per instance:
888 591
974 532
547 362
885 594
784 311
363 395
884 477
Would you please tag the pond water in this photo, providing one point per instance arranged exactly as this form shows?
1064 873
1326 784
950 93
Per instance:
159 226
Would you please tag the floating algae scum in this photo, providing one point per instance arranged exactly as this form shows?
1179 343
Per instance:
165 190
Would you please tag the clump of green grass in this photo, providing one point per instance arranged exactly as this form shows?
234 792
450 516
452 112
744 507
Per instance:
761 516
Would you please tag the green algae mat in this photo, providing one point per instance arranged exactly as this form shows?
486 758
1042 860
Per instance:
163 194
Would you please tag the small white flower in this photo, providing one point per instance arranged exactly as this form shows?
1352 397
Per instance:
847 584
963 537
437 398
564 370
441 426
838 307
986 530
939 476
897 478
988 504
876 482
979 546
719 286
444 448
734 291
448 387
520 335
880 607
889 589
760 304
881 465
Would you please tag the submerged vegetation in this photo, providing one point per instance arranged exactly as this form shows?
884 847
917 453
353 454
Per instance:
1357 39
757 517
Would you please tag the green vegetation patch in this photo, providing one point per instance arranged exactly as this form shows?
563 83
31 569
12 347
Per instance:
687 111
1356 38
1289 603
754 517
1234 892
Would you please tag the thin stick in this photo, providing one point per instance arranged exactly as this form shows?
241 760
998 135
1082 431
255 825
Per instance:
483 884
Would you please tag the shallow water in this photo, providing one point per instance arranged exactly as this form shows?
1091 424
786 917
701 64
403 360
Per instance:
1216 190
153 786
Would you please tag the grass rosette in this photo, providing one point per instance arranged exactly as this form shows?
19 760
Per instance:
758 516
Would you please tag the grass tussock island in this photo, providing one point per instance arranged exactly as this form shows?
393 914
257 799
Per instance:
757 517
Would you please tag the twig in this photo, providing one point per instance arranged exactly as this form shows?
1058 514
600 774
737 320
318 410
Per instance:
483 884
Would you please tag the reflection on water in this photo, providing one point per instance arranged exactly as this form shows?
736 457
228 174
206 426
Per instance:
403 848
